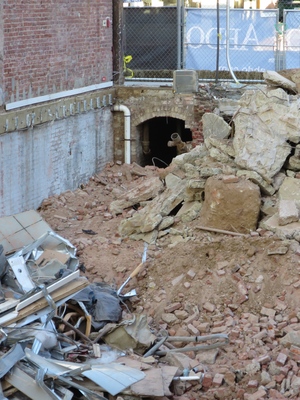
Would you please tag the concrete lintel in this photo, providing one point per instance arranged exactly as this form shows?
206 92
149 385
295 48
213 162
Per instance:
56 96
33 115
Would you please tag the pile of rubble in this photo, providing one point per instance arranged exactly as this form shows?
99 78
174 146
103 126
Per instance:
208 312
245 175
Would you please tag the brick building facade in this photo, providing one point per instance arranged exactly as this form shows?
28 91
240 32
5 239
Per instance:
48 46
60 79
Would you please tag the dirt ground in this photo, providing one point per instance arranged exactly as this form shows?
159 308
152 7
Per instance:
239 285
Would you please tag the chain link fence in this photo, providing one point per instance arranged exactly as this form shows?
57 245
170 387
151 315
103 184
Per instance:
150 38
159 40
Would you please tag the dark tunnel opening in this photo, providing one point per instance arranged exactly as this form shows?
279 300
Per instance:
157 133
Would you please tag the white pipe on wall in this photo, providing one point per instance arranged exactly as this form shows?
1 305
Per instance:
126 112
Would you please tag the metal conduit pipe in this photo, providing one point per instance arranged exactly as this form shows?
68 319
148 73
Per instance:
227 42
126 112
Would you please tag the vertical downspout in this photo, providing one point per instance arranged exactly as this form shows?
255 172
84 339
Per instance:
227 41
126 112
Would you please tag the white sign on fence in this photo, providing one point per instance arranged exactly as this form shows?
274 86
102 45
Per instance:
252 39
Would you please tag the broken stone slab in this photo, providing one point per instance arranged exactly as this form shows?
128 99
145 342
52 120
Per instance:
287 212
149 237
208 356
231 206
194 190
191 171
264 186
290 231
294 161
291 121
206 172
215 126
290 190
293 75
192 156
278 180
189 211
171 180
259 145
149 217
264 124
179 360
146 190
269 206
166 222
275 79
291 339
224 145
218 155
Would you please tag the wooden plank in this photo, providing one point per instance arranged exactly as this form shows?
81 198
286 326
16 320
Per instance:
65 291
26 384
51 288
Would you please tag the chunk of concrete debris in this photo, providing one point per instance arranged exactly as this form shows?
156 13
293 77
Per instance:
189 211
259 142
148 218
293 74
146 190
230 206
264 186
275 79
294 161
208 356
289 231
215 126
291 339
224 145
290 190
287 212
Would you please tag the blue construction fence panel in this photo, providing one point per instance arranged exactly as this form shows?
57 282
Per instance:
252 39
292 38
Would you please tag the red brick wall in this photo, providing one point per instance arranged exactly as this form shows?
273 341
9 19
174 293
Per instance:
51 46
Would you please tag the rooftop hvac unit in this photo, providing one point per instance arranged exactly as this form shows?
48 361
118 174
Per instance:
185 81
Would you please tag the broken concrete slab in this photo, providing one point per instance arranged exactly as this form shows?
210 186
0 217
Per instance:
260 140
192 157
253 176
215 126
275 79
293 75
148 189
290 231
294 161
189 211
148 218
287 212
224 145
290 190
230 206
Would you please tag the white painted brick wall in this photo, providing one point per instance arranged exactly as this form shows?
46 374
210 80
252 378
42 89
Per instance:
50 159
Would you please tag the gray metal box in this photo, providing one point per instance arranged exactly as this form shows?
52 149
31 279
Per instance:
185 81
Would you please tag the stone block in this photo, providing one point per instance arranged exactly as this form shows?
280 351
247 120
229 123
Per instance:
287 212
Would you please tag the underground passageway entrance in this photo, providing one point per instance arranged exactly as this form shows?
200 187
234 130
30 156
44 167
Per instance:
156 133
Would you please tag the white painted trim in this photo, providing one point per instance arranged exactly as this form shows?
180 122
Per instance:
58 95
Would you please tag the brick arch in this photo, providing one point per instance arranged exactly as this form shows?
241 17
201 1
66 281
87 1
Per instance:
164 113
